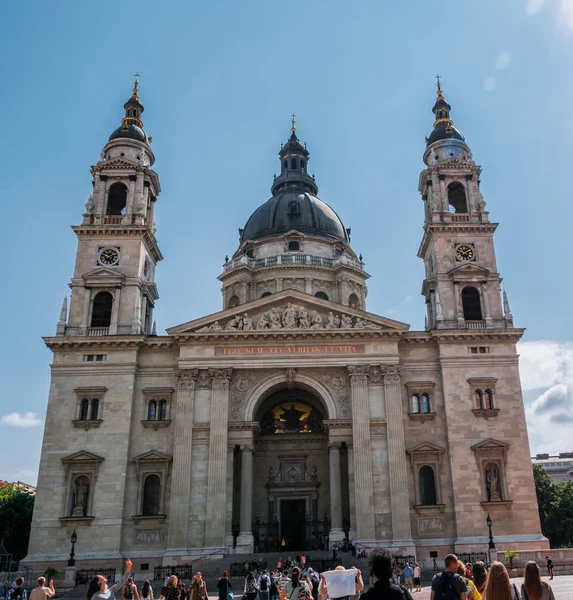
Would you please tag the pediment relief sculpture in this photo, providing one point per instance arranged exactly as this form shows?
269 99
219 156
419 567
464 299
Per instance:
291 316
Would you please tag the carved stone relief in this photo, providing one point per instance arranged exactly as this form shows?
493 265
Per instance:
148 537
241 383
430 525
337 383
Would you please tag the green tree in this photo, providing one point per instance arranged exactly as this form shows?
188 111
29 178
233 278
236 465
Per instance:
545 490
16 507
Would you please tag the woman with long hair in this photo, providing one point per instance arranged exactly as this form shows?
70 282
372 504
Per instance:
146 590
198 588
98 589
170 590
479 574
533 587
250 586
224 586
292 586
498 586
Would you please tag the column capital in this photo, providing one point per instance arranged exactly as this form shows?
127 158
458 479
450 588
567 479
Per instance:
391 374
220 377
334 445
247 448
186 378
358 374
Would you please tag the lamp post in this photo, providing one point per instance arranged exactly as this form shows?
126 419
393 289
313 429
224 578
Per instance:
491 545
72 560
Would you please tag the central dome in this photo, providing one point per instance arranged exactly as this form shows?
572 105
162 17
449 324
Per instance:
288 210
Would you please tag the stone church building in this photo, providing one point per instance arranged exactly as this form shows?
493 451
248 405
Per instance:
293 413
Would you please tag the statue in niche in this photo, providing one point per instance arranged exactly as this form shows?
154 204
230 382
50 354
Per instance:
492 480
275 319
291 418
263 322
247 323
303 321
80 491
289 317
90 204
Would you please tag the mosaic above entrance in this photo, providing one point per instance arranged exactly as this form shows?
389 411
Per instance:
291 418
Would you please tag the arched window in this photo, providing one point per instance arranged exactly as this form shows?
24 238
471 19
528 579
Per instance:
152 411
457 198
265 294
302 163
233 301
151 496
478 394
84 409
95 409
163 410
425 403
101 310
415 400
471 304
321 295
487 399
117 199
427 486
294 246
286 164
293 163
354 301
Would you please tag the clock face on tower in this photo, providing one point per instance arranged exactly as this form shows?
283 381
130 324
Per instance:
464 253
108 256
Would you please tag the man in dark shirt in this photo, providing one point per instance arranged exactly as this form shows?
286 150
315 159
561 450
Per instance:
549 566
381 566
448 585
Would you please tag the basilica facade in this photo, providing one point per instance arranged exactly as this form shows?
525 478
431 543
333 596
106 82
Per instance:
293 413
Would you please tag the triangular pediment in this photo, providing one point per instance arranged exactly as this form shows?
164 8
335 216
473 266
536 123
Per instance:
425 448
102 272
490 444
83 456
469 270
288 311
152 456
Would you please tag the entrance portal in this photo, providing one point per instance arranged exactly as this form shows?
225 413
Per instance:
293 524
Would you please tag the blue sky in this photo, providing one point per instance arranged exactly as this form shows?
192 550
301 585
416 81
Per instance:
219 82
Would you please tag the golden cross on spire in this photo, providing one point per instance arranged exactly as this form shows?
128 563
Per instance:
438 77
293 126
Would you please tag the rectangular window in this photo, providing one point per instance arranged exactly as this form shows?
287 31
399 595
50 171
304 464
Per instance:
473 350
95 357
483 350
144 567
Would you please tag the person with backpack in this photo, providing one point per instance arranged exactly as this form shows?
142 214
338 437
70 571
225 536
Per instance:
448 585
264 585
315 581
17 592
129 590
274 589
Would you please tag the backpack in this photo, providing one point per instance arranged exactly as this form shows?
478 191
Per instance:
128 592
264 583
445 589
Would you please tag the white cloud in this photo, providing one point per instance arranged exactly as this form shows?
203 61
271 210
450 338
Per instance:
566 13
28 419
543 364
532 7
489 83
503 60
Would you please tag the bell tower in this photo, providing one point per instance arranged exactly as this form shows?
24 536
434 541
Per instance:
113 286
462 284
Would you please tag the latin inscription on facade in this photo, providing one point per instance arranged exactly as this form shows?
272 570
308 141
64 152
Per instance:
290 350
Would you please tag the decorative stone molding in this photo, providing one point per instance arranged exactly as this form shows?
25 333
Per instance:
290 377
220 377
391 374
81 466
358 374
375 374
241 383
204 379
87 424
422 417
491 461
337 382
76 521
426 454
332 444
486 413
247 448
428 510
156 424
186 378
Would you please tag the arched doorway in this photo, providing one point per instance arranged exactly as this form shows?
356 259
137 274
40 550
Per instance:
291 497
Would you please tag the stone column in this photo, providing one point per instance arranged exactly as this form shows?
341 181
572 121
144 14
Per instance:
351 499
181 471
115 312
246 532
363 486
86 316
336 531
445 205
230 484
469 198
399 497
485 298
217 473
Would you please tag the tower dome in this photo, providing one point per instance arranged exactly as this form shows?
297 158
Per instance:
131 125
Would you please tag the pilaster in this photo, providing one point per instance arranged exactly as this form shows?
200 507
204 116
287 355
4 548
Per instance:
363 485
399 497
245 540
336 532
217 474
181 474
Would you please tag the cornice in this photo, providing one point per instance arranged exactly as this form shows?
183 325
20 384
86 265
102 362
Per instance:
108 341
209 337
432 228
478 335
109 231
271 270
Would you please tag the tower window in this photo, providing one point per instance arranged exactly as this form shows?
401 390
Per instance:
117 199
302 163
293 163
415 403
321 296
101 310
427 486
457 198
293 208
151 496
84 409
471 304
353 301
233 301
152 410
285 164
163 410
294 246
425 403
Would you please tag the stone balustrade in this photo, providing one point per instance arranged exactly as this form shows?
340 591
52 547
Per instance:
293 259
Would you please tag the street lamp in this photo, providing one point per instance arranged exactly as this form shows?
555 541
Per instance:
73 539
491 545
